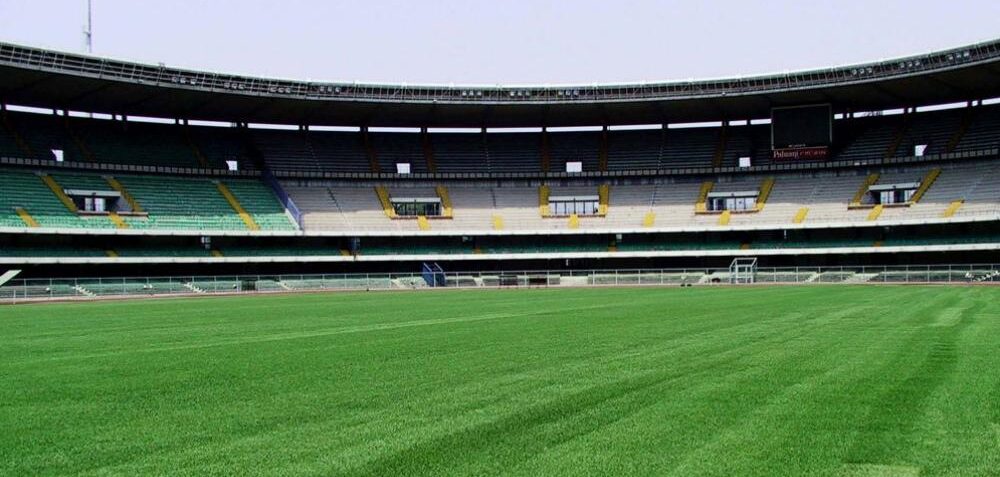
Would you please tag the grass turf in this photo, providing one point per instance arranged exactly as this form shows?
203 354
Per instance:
839 381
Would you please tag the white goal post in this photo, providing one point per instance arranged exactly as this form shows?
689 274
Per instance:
743 270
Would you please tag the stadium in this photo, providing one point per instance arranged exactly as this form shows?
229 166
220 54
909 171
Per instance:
781 274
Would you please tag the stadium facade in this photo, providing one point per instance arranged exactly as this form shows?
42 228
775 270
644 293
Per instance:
886 163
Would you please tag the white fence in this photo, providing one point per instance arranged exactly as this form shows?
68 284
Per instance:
41 289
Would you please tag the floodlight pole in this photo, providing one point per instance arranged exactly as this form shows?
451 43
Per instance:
88 32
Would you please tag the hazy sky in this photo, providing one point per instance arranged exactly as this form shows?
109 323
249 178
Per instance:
506 42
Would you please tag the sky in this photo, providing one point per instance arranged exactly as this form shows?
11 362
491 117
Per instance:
501 42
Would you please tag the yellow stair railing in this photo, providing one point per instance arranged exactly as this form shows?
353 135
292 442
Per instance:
952 208
603 199
925 184
26 217
800 216
649 220
724 217
235 204
423 223
497 222
132 203
59 192
860 194
216 252
383 198
543 200
446 207
706 188
574 221
765 192
117 220
875 212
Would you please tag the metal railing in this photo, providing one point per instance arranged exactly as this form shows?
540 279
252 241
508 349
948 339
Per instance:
91 288
38 59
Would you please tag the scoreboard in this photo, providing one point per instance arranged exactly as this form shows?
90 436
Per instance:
801 132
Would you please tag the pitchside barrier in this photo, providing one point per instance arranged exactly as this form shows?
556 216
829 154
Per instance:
40 289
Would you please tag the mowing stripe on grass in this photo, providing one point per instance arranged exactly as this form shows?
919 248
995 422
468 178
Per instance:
666 381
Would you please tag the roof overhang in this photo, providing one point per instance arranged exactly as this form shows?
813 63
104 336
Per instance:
47 79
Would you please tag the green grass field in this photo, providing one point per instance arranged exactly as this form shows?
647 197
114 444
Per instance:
837 381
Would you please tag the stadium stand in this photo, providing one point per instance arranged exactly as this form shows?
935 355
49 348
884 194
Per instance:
171 202
137 143
330 192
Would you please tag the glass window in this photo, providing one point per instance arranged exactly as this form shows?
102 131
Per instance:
569 207
412 209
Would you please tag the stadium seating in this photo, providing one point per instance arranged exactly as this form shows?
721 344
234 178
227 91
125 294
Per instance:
513 152
171 202
26 190
192 203
138 143
466 152
824 194
395 148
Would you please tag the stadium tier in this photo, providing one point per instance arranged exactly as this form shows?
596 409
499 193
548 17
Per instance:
137 143
256 180
41 198
960 189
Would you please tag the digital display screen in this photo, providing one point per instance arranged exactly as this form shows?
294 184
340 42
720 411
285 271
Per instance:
801 126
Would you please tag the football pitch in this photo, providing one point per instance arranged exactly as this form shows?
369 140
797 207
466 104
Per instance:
810 380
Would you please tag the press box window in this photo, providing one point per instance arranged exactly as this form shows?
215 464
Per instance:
97 201
733 201
569 205
413 207
95 204
888 194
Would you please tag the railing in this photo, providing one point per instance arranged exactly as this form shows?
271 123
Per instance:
624 174
90 288
109 69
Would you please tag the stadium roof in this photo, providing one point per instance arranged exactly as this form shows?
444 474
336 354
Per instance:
49 79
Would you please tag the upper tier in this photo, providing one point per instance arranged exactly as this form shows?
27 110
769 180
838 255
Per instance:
96 141
36 77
